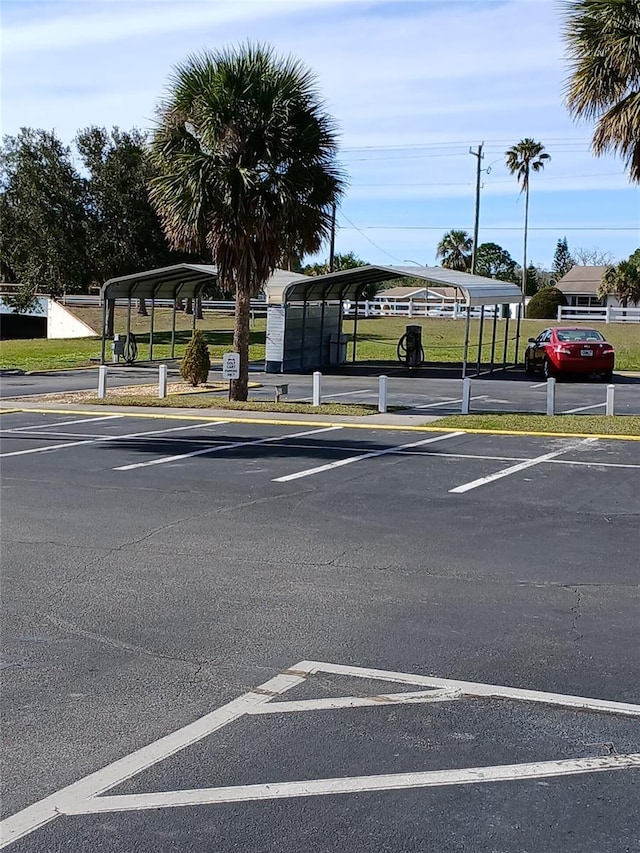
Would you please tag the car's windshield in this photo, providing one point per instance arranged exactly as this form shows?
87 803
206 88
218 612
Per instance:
578 335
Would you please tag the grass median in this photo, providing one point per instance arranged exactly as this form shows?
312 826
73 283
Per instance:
587 425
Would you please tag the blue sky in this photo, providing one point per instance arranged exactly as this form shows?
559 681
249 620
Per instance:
412 85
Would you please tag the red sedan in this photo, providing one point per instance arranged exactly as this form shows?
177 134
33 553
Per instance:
565 350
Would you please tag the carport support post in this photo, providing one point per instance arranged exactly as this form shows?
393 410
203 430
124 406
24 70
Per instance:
382 394
518 322
493 337
611 396
355 332
480 340
103 348
317 388
153 312
506 338
173 321
303 332
465 352
102 381
551 396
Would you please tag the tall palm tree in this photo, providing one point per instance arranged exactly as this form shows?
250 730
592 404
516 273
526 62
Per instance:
455 250
603 42
522 159
623 281
246 167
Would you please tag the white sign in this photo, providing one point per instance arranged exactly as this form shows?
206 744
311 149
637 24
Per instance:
275 333
231 365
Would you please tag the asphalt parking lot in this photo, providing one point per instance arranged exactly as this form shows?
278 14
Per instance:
242 636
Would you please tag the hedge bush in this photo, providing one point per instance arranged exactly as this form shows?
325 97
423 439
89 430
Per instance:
544 304
196 362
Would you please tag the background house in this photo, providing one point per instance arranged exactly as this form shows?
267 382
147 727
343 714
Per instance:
580 287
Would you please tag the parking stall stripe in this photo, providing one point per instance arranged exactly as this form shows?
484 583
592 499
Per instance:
105 438
521 466
582 409
448 402
231 446
357 784
341 462
66 423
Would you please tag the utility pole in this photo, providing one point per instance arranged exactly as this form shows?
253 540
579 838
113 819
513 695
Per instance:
480 157
332 244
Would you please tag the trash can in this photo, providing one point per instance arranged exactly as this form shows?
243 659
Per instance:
338 349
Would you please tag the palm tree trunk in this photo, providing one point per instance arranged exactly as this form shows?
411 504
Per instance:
142 308
188 308
526 230
111 311
240 387
198 308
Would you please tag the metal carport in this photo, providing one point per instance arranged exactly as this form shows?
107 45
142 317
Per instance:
338 287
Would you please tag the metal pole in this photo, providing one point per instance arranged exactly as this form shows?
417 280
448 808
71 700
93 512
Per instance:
493 336
611 392
102 381
304 331
317 388
551 396
355 332
129 315
466 395
332 244
153 312
103 348
518 322
162 381
382 394
322 311
480 340
506 338
173 321
465 352
193 316
480 156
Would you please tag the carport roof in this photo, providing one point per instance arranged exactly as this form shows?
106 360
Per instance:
350 284
183 280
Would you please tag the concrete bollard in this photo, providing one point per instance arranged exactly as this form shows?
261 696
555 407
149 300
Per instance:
551 396
162 381
611 398
466 395
382 394
102 381
317 388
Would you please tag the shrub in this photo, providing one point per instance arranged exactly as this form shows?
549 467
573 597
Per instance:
544 305
196 362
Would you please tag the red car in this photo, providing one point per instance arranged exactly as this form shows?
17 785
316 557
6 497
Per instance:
566 350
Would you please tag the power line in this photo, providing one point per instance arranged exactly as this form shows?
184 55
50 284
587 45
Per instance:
486 227
355 227
542 178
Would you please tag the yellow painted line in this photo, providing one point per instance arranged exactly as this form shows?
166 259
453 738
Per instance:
10 411
159 415
61 369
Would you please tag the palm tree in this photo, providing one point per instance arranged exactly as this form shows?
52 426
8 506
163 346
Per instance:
246 168
455 250
623 281
603 42
522 159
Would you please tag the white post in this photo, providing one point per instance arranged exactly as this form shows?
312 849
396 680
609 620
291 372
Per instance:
382 394
611 395
607 314
162 381
410 308
551 396
317 388
102 381
466 395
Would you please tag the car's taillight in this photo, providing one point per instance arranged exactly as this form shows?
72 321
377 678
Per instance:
608 351
562 351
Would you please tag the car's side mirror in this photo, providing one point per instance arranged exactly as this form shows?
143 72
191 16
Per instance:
532 340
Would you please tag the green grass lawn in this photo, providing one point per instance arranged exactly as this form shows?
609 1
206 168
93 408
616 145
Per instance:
583 424
377 340
205 401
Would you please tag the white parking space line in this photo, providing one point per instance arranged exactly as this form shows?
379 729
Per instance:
539 385
353 785
583 408
231 446
67 423
51 447
521 466
342 394
341 462
449 402
410 698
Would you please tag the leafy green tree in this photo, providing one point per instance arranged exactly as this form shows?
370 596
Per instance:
623 281
562 260
523 158
43 236
603 42
196 362
532 285
544 304
493 261
454 250
246 161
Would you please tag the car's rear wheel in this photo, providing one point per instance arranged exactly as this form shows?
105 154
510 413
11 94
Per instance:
528 366
607 376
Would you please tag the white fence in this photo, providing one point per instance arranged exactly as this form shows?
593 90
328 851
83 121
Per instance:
608 314
219 306
378 308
